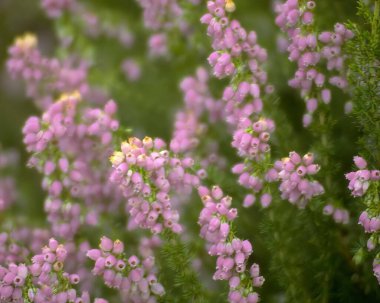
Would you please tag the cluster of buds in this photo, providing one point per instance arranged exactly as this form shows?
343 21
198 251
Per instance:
197 95
148 175
59 123
251 178
147 245
45 78
158 45
216 215
237 54
252 142
242 103
360 180
95 26
340 215
17 245
160 15
370 224
230 41
295 18
135 279
92 25
42 281
215 219
193 121
131 70
12 281
332 52
72 156
233 46
163 17
365 183
198 101
295 174
55 8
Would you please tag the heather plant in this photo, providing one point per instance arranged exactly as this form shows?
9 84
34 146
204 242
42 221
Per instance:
190 151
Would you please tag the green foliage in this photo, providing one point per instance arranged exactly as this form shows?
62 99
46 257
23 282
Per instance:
364 75
310 257
177 274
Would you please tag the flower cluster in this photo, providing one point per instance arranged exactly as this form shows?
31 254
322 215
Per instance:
237 54
332 52
161 17
295 174
158 45
201 111
43 281
197 95
76 261
12 280
376 268
136 279
55 8
11 252
72 156
216 215
215 220
17 245
251 178
48 269
72 142
308 48
188 127
340 215
160 14
95 26
359 181
369 223
8 193
187 130
45 78
243 103
365 183
148 244
91 24
131 70
230 41
148 175
251 141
